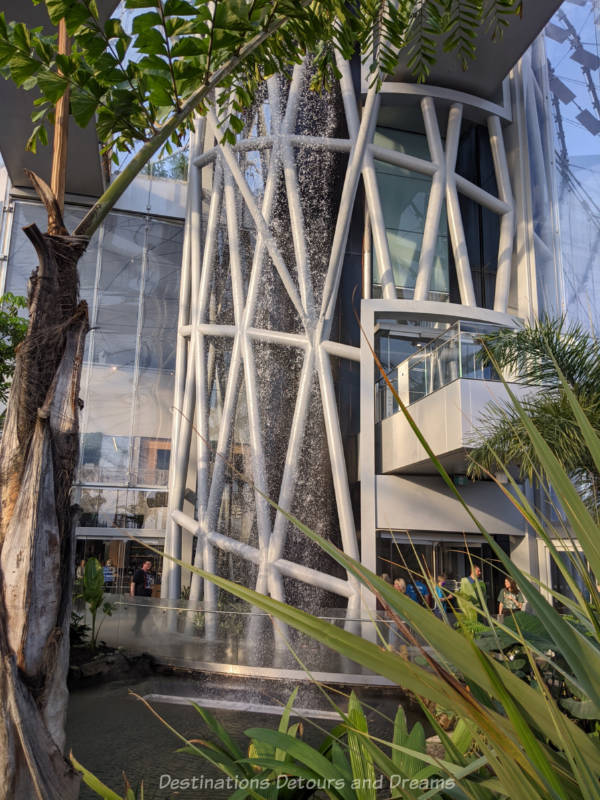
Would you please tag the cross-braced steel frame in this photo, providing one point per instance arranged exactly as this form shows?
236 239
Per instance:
229 193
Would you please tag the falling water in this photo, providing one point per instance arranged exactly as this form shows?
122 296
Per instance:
320 175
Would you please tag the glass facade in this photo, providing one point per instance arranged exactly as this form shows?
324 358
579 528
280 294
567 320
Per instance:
457 353
129 277
404 197
132 287
570 62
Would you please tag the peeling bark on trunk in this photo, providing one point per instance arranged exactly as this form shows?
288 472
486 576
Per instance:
38 455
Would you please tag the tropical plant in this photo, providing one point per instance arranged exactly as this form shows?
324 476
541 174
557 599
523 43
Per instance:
349 764
92 592
142 88
12 331
528 744
79 630
537 353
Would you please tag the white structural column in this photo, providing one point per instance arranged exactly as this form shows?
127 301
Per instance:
436 200
507 222
371 111
455 225
184 395
236 204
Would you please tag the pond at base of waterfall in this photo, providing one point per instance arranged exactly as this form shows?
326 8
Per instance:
110 732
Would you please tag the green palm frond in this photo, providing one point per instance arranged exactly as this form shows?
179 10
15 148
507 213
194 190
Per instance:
532 354
534 351
421 36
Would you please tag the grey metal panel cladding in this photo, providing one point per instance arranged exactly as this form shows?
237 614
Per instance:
425 503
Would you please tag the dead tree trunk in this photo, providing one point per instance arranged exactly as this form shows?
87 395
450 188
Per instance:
38 455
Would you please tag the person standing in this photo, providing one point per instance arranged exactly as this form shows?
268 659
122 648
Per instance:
510 598
141 587
441 606
419 592
109 574
473 587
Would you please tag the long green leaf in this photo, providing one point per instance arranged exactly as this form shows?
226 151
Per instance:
93 782
580 653
360 758
307 755
535 753
231 748
284 722
395 668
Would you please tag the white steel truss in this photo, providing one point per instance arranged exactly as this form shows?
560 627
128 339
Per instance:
232 197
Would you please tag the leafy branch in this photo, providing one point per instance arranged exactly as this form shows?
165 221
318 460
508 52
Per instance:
143 87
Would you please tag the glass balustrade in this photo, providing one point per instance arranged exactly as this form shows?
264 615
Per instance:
456 353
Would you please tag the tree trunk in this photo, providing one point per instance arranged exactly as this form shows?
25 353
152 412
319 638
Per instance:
38 455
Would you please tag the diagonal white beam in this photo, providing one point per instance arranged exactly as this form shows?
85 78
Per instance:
336 455
293 192
507 223
455 225
262 227
361 136
204 555
482 197
184 394
436 201
252 554
404 160
290 472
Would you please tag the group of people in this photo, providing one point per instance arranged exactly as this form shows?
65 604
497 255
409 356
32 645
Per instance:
141 581
108 570
509 598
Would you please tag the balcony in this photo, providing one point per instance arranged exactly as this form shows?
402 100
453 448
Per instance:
446 386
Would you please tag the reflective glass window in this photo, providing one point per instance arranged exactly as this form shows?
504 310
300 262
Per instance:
404 197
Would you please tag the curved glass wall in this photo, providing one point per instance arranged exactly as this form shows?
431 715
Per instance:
405 198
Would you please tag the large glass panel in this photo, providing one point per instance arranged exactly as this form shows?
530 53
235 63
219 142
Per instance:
404 198
456 353
154 383
22 258
570 60
118 290
127 418
481 226
161 295
123 509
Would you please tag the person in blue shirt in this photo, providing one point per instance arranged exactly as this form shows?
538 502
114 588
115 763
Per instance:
419 592
109 574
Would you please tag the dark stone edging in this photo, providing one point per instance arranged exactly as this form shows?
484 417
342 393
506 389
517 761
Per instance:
110 665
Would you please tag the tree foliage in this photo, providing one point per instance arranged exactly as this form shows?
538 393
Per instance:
133 80
12 331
